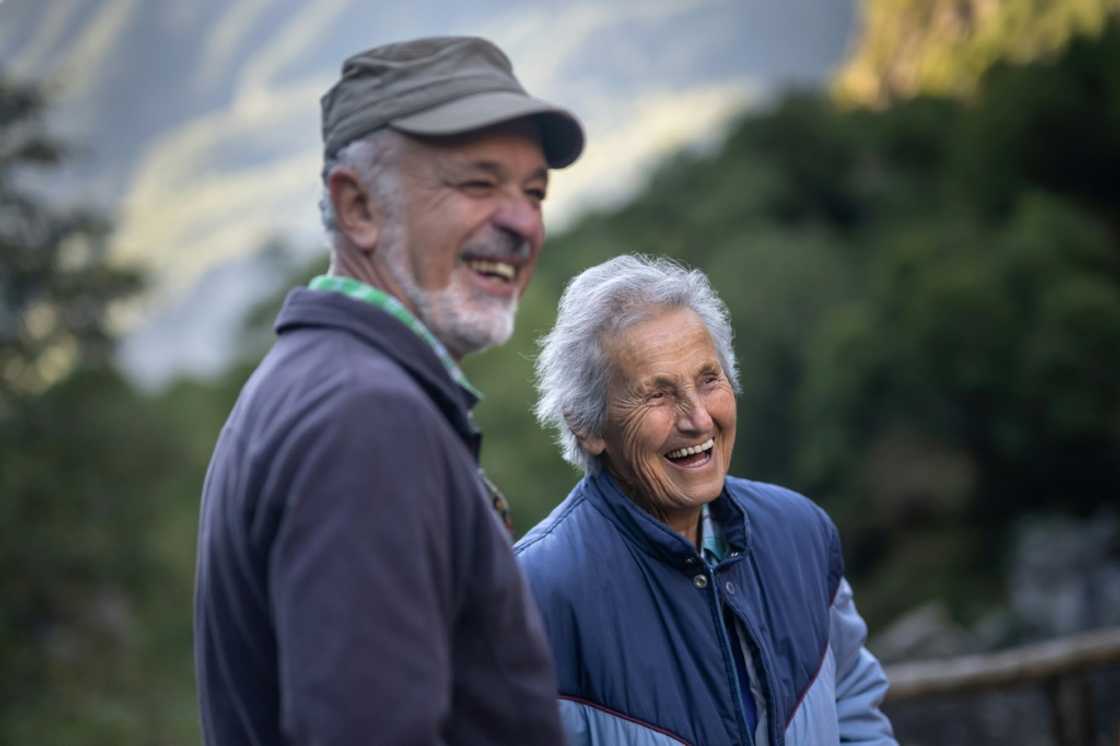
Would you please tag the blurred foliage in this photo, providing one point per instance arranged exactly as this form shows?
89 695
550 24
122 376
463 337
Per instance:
85 461
940 47
55 286
926 300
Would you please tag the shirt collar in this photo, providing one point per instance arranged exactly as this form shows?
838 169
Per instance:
359 290
713 545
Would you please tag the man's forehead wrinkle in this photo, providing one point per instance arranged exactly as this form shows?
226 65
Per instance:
482 164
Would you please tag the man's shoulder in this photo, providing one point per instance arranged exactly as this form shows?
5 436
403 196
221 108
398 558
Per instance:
334 369
331 391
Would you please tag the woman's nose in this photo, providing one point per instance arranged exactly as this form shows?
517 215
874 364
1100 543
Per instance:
694 416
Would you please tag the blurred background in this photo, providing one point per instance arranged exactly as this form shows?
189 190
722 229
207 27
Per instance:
911 207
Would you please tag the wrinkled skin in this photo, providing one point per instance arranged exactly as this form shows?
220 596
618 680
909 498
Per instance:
667 391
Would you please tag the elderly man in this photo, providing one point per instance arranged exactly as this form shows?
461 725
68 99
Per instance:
355 582
683 605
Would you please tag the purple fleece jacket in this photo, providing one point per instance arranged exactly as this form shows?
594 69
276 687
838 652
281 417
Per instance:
354 584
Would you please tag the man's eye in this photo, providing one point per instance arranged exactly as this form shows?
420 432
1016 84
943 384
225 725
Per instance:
537 194
477 186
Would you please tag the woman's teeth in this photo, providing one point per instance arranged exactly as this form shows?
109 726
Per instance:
691 450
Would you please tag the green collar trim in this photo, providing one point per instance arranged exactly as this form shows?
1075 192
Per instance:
358 290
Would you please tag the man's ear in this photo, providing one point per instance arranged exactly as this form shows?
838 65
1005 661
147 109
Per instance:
354 213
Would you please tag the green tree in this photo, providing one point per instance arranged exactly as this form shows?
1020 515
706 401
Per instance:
55 283
81 459
926 300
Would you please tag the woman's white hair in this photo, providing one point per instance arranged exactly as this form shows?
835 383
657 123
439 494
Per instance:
573 366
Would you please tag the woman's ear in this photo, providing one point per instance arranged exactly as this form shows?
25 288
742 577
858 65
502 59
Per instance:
593 444
354 213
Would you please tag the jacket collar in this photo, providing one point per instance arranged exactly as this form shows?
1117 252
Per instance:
656 538
305 308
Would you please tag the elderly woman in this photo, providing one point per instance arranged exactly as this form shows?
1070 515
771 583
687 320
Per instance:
683 605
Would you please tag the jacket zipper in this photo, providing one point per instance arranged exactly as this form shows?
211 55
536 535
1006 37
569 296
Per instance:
775 737
729 662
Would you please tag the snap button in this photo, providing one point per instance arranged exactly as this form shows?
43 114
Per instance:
700 581
729 587
734 554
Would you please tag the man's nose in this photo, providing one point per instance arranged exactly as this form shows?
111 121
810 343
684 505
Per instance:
521 217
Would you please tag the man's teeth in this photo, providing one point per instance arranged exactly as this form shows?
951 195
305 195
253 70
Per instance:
682 452
501 269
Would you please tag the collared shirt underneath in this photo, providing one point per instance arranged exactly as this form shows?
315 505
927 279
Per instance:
359 290
714 549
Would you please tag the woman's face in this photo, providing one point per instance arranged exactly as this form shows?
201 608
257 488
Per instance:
670 413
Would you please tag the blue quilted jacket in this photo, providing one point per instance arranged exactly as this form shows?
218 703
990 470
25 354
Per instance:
643 657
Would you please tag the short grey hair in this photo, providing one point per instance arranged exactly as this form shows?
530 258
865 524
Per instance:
376 159
573 366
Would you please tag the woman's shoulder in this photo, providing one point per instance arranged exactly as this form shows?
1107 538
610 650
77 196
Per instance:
574 540
556 532
764 502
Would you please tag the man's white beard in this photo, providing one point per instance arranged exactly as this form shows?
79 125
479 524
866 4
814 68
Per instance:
463 318
465 324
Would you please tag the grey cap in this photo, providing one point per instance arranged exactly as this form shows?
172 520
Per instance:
439 86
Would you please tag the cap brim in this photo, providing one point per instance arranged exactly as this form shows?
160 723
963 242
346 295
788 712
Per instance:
561 132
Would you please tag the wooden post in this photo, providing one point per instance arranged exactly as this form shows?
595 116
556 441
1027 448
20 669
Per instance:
1072 715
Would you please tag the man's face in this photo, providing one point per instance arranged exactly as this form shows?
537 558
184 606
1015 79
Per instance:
670 413
468 232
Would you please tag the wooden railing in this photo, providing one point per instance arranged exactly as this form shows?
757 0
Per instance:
1060 666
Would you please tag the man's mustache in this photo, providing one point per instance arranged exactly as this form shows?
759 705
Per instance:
499 244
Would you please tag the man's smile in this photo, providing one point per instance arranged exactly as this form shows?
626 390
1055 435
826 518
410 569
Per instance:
493 269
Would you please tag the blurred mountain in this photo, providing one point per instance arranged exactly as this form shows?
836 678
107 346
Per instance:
201 333
200 120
